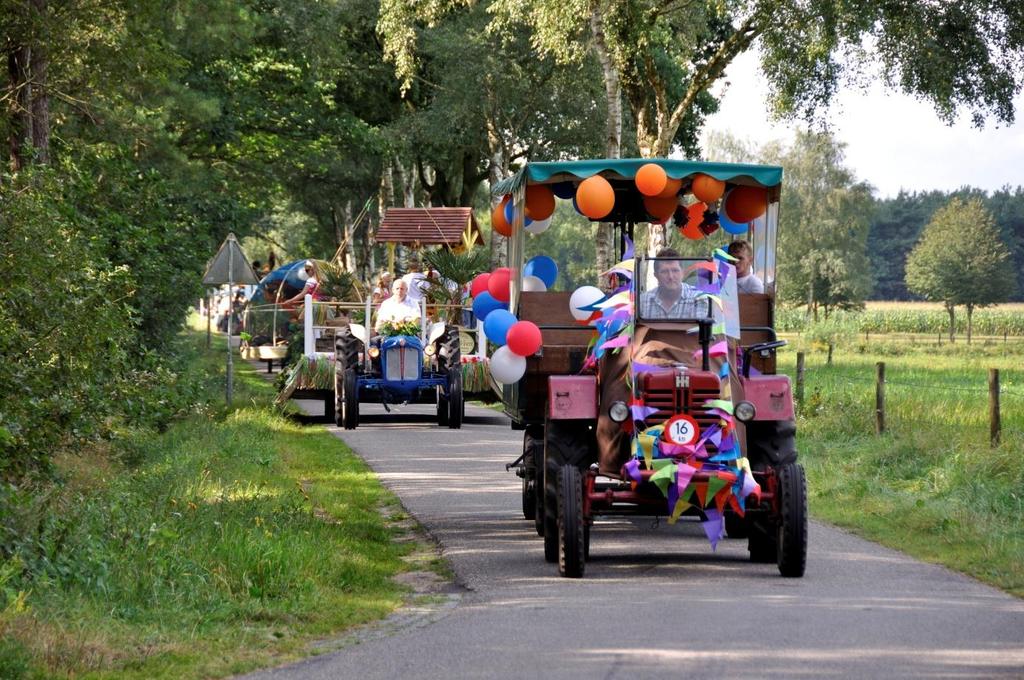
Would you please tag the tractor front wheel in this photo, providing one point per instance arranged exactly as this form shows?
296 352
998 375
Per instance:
348 414
572 525
792 531
456 405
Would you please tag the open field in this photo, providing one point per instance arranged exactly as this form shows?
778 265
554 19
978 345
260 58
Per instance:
226 543
931 485
907 317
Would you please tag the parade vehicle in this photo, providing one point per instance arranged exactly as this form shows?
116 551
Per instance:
675 412
398 369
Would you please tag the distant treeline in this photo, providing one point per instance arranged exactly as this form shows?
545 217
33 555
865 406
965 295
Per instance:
897 224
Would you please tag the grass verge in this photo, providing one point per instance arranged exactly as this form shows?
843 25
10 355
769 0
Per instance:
931 486
226 543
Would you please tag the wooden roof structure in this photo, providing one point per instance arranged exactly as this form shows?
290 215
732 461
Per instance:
416 227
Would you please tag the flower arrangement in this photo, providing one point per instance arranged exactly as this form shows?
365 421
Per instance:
410 325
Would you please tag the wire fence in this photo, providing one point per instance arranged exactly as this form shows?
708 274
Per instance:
994 393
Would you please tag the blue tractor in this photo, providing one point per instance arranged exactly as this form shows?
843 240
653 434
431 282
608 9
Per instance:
399 369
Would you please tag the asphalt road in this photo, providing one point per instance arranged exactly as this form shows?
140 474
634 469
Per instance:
655 601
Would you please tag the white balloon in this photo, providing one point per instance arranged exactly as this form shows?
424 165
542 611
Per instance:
506 366
533 284
582 297
539 226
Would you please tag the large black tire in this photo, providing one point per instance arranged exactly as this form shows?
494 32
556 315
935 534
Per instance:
762 542
348 413
792 531
565 443
529 487
572 525
449 351
456 404
442 407
346 348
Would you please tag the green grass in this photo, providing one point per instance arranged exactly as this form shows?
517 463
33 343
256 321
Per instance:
932 485
226 543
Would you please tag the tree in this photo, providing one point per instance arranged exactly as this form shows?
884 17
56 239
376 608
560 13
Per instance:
824 218
974 275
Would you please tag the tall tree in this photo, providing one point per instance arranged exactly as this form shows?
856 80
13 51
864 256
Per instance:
975 275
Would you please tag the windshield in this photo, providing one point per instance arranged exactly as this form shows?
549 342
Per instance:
670 288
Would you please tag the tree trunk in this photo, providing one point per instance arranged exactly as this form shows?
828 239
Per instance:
605 247
40 96
497 169
952 321
20 77
970 313
408 177
347 254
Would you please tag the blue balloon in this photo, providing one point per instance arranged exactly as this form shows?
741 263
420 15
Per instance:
729 226
510 215
484 304
564 189
544 268
497 324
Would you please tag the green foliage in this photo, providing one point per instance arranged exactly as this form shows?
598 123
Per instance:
995 322
65 322
455 270
213 541
976 275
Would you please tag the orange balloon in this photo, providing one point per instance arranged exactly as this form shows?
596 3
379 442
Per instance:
744 204
595 197
660 208
707 189
498 221
540 202
672 187
694 216
650 179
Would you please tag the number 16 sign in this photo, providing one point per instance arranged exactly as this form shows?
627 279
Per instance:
681 429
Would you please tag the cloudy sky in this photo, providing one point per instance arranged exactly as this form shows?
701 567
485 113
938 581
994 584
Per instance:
893 141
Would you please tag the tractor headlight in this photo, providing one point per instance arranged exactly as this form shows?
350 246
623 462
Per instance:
618 411
744 411
374 352
429 350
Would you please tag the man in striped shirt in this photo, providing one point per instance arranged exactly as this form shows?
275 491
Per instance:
672 298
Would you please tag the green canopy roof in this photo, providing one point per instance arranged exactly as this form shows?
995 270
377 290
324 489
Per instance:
626 168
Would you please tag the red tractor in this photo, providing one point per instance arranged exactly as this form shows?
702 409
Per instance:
682 414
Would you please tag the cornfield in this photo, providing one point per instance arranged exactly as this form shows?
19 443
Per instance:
911 317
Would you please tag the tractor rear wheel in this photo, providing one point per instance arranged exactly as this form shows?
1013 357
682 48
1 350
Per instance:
449 349
456 405
736 526
792 531
348 413
572 525
530 445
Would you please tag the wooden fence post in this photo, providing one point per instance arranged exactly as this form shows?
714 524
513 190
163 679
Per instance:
830 348
880 397
940 340
993 406
800 378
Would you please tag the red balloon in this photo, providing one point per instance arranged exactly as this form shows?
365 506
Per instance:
745 204
523 338
498 221
479 284
650 179
540 202
497 284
